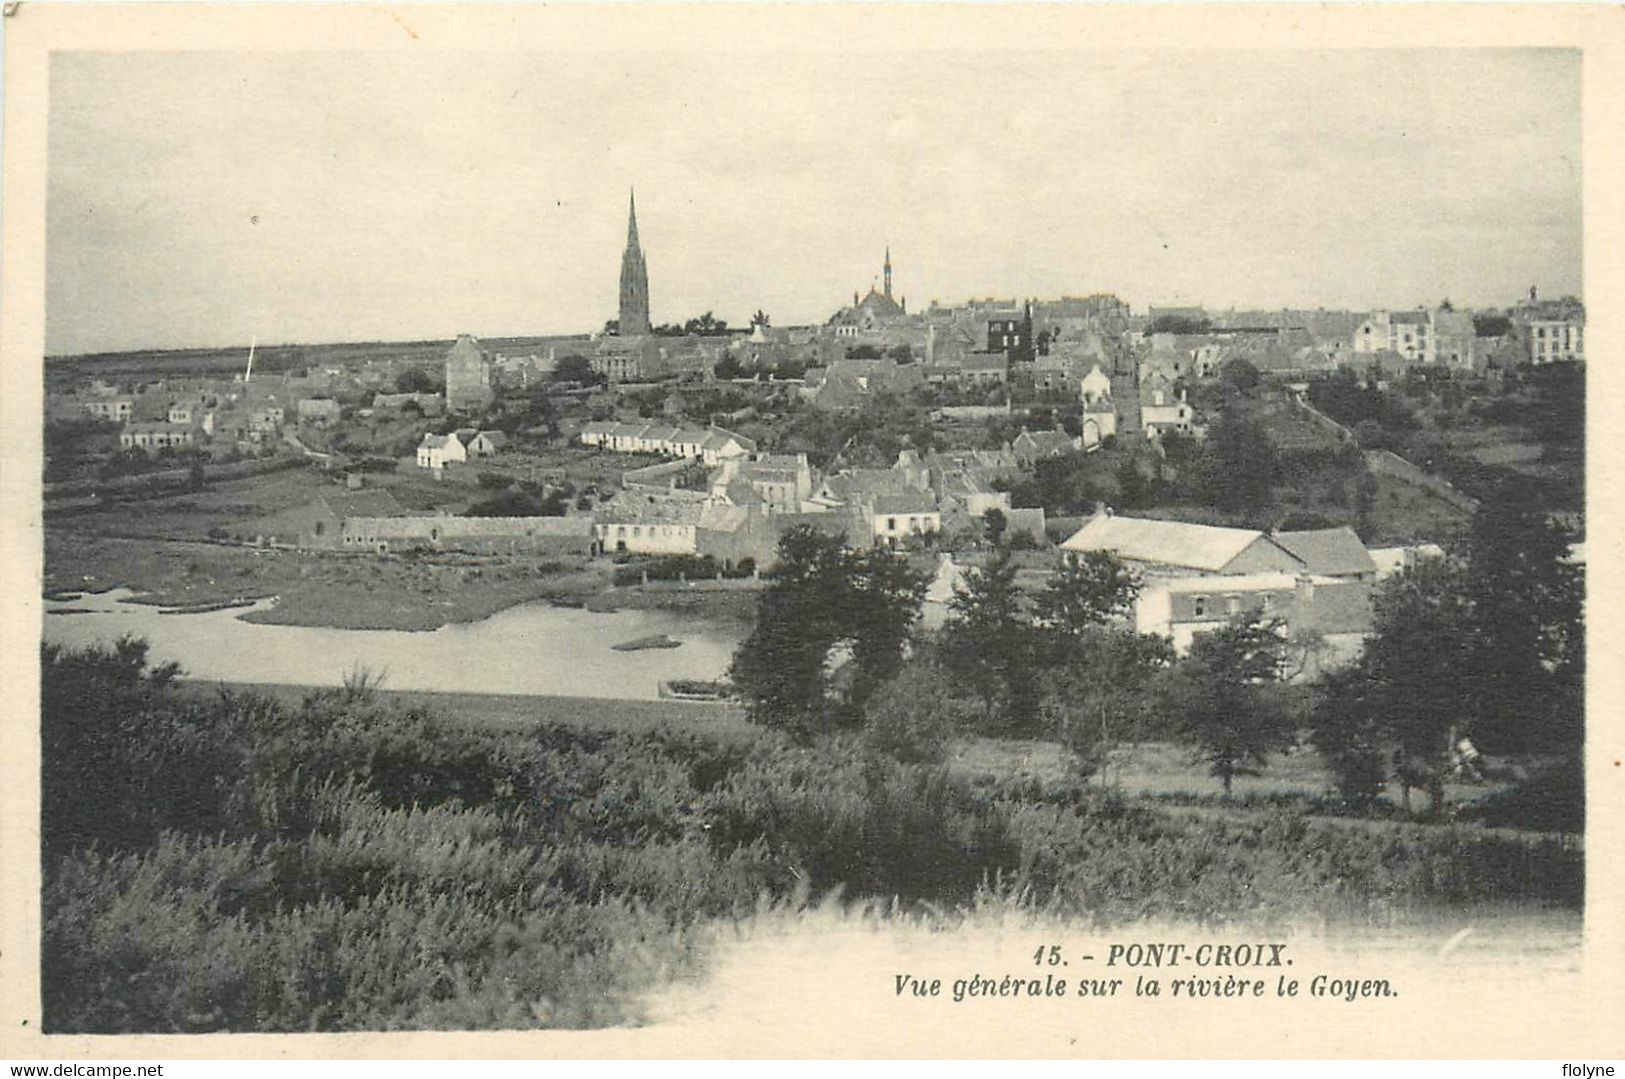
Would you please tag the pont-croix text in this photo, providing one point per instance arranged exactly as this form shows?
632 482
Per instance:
1163 970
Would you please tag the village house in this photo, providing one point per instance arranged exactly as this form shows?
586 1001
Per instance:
969 494
1030 447
319 411
1098 422
155 436
1423 336
427 404
117 409
319 523
845 384
780 483
1095 386
896 517
1333 553
1555 340
435 452
181 412
1176 548
265 420
1325 621
1057 374
1163 407
474 535
650 527
481 444
713 445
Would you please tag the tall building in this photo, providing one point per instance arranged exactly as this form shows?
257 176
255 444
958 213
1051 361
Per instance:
468 376
634 279
873 312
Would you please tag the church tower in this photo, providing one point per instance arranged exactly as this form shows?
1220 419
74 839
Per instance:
634 279
888 271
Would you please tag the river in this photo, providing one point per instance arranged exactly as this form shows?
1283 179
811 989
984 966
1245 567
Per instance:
534 648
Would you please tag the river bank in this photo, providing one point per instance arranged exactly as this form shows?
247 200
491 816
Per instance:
361 592
722 720
526 649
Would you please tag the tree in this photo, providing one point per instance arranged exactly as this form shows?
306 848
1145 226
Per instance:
574 368
991 643
883 600
995 522
706 325
823 596
1417 664
779 669
1217 693
1239 464
760 318
1087 590
1179 324
1526 598
416 380
1103 692
912 716
1241 374
1347 732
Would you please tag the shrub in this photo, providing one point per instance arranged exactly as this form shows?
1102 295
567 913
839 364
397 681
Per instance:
912 716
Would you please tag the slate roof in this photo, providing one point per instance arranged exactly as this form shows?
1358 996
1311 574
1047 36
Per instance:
1171 543
1333 607
910 502
1332 552
1057 441
715 518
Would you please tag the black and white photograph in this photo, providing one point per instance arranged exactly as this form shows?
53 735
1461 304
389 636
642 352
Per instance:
815 530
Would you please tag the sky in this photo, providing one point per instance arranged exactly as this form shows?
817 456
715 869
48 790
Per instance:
204 199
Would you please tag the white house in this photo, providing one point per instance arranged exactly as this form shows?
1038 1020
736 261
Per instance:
1096 385
895 517
437 451
112 408
1162 409
1325 620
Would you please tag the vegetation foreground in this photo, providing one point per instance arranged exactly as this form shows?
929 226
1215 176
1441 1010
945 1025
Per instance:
345 863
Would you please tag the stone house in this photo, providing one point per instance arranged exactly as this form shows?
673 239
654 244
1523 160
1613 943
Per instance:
435 452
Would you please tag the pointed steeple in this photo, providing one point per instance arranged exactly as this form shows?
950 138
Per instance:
888 271
634 320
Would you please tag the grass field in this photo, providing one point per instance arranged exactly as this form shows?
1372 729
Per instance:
1153 769
502 711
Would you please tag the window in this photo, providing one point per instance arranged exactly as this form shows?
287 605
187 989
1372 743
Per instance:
891 524
1232 604
1199 605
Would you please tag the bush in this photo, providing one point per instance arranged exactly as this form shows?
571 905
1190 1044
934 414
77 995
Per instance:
911 717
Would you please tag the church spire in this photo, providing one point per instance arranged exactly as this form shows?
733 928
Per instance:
888 271
634 278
